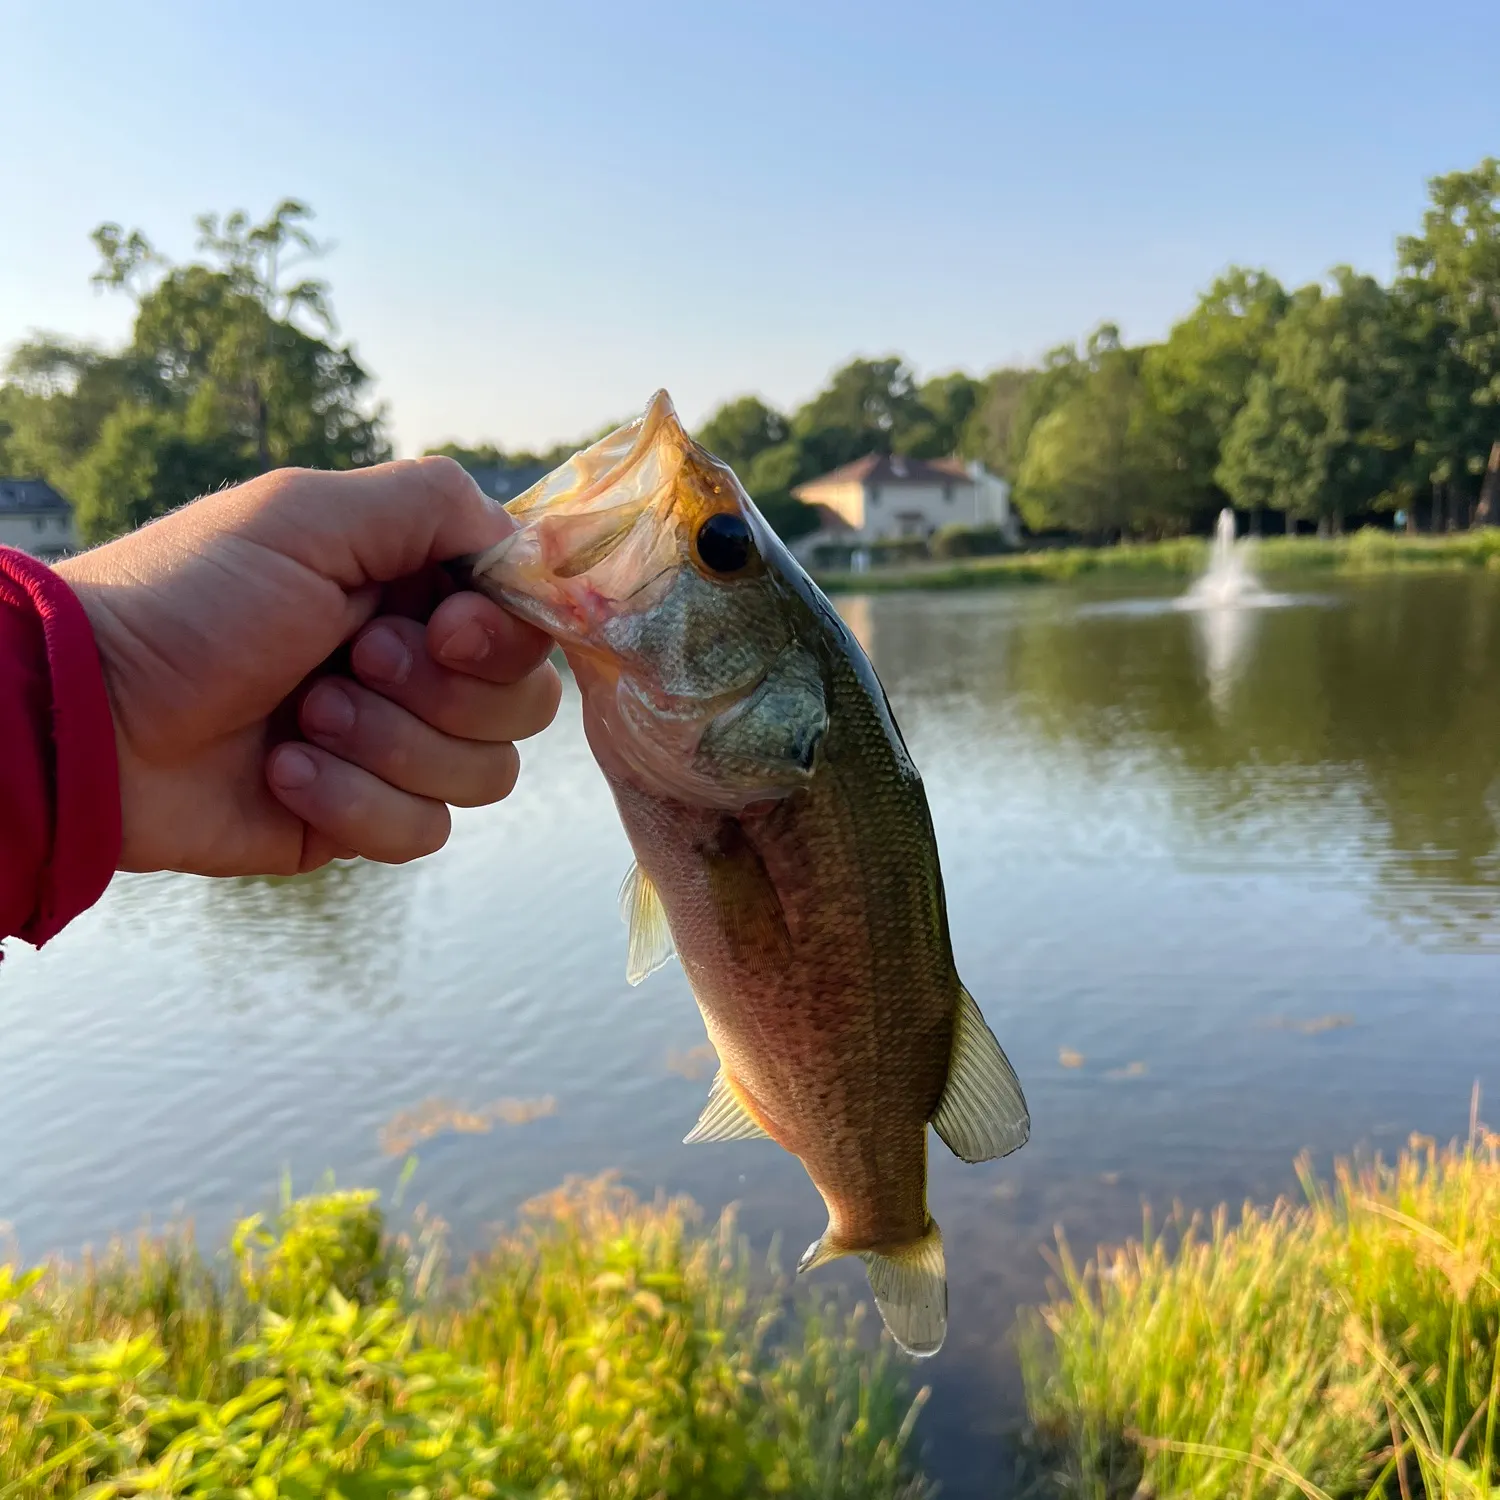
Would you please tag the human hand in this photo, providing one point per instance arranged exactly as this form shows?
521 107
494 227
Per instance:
298 601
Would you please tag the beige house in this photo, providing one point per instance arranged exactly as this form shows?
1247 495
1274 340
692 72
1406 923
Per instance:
34 518
884 495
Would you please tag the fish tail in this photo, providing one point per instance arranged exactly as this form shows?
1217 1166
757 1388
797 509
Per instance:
910 1283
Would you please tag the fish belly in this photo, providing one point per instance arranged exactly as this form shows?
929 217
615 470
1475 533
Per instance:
837 1072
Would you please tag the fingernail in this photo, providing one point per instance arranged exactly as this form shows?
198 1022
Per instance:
381 656
292 769
328 710
471 642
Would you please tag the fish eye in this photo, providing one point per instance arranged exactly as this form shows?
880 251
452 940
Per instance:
724 543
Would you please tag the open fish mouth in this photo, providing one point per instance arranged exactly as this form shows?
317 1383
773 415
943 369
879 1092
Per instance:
595 537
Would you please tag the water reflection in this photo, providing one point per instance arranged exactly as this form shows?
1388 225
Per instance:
1373 717
1224 637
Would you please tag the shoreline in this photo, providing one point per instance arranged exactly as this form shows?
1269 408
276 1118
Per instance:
1367 551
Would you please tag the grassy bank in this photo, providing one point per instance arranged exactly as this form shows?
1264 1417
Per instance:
607 1348
1341 1347
1365 551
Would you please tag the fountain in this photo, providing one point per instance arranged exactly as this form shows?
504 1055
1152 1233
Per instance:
1228 581
1221 601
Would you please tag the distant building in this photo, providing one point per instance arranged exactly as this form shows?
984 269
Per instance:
34 518
504 482
884 496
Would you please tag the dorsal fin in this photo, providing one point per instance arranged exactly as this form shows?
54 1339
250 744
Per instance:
650 938
725 1117
982 1113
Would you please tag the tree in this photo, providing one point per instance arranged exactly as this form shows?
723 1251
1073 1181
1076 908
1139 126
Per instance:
1099 462
946 402
1319 435
232 368
1200 377
1449 291
987 432
1063 371
236 323
741 430
867 407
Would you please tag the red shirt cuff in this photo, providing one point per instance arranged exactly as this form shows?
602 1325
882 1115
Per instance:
59 777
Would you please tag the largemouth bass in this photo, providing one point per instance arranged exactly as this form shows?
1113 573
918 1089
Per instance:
783 844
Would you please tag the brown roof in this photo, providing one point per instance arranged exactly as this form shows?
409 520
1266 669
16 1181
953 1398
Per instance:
886 468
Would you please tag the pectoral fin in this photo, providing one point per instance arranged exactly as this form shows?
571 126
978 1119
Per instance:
745 899
982 1113
650 938
725 1117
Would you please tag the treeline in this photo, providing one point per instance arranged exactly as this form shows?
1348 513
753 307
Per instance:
233 367
1325 404
1335 401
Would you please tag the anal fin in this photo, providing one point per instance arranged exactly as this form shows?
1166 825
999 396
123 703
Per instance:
982 1113
725 1117
651 942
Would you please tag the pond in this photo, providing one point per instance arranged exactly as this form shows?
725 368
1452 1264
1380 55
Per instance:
1225 886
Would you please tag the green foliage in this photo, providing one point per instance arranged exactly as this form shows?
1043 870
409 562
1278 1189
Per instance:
1346 1347
987 432
607 1349
231 370
741 430
1099 462
968 541
1450 292
1315 437
948 404
1200 377
867 407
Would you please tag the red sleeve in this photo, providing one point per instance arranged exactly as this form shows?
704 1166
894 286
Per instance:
59 780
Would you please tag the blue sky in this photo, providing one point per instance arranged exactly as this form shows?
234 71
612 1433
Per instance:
543 211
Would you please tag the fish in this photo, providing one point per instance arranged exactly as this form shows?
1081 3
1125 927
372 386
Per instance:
784 850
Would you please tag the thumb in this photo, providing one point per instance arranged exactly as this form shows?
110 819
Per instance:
364 526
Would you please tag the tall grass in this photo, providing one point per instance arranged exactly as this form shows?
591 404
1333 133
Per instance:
606 1348
1366 551
1341 1347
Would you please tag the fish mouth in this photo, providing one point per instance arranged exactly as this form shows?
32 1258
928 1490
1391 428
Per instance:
594 537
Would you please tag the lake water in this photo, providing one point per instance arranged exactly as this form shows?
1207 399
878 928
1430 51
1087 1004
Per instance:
1225 886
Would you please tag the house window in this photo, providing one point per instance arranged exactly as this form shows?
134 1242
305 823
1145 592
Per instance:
948 494
38 522
874 494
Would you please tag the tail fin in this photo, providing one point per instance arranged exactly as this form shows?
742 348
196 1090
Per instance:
910 1284
911 1291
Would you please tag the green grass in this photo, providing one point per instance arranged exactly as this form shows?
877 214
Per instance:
606 1348
1342 1347
1369 550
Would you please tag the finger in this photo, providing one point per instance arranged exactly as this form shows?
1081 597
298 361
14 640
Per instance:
391 656
364 525
368 730
349 809
473 634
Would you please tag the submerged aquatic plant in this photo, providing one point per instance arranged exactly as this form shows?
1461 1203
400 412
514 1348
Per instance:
1341 1347
608 1348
